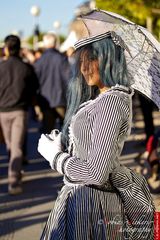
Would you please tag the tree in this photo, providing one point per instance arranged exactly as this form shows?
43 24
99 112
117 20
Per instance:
137 11
153 4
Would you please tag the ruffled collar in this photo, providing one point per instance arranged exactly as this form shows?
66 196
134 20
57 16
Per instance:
126 90
122 88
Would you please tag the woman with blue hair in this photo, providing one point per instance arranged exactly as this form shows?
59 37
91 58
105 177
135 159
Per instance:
100 199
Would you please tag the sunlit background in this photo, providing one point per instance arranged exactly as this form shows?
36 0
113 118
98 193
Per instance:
24 216
33 18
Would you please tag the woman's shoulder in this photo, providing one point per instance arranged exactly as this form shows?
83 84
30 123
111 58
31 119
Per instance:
117 96
118 93
121 91
116 99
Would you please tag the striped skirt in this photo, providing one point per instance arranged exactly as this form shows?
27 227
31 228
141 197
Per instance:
86 213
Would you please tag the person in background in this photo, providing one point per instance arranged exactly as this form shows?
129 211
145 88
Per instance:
18 86
31 56
53 72
147 107
70 54
101 199
28 55
38 53
149 160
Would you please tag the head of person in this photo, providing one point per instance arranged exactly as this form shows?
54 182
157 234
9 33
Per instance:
49 40
12 45
102 63
98 64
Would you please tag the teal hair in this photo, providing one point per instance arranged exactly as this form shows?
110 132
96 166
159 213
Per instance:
112 70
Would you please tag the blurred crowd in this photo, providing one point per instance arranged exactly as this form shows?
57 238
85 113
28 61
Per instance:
36 81
33 81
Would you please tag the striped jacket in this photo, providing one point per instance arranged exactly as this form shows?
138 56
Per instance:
97 134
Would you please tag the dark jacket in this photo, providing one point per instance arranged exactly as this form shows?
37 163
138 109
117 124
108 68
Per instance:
18 84
53 72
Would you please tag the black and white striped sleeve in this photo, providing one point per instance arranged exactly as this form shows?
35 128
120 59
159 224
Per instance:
106 127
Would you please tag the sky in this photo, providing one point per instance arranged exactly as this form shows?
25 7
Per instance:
16 17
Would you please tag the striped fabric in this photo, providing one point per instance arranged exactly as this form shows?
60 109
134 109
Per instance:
101 199
83 213
116 39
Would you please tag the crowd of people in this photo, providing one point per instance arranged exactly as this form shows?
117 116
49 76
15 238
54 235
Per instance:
30 80
92 125
51 71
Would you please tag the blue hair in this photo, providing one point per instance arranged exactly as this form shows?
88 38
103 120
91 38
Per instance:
112 70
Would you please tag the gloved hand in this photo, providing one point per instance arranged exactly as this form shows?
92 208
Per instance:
53 134
49 148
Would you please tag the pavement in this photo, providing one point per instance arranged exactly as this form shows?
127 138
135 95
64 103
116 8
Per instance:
23 217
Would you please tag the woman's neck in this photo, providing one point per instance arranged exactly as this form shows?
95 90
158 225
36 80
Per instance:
104 89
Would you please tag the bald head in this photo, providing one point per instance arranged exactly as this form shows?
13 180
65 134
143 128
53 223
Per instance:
49 40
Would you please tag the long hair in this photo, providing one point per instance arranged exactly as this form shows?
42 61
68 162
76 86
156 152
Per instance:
112 70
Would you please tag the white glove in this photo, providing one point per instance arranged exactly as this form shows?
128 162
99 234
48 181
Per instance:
53 134
49 148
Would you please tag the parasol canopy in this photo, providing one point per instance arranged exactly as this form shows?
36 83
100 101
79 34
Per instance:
142 50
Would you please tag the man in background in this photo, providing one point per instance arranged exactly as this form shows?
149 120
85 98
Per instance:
18 86
53 72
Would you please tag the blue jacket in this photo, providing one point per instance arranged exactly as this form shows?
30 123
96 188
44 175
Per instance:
53 72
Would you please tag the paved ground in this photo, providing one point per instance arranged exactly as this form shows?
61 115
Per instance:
23 217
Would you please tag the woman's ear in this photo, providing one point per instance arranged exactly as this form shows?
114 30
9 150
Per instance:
6 51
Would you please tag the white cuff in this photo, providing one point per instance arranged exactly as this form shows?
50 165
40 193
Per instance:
59 160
